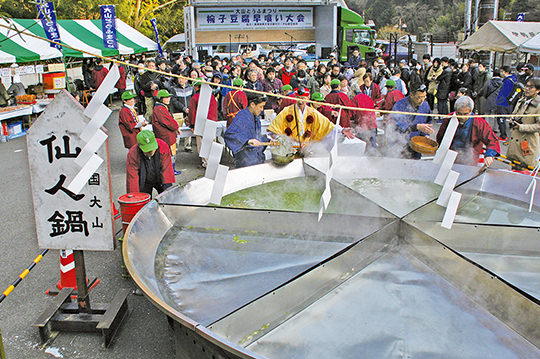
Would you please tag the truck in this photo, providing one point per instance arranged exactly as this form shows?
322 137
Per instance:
354 33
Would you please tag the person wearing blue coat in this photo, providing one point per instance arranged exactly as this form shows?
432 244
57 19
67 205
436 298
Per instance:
408 126
503 107
243 137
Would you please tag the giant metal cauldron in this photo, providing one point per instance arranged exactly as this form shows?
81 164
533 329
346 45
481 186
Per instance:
377 277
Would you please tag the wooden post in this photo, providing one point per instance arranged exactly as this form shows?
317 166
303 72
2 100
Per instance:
83 299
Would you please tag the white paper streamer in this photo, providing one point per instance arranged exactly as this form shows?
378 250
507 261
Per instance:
91 147
332 160
208 137
84 174
213 160
103 91
446 166
447 140
202 109
98 120
448 188
451 210
219 184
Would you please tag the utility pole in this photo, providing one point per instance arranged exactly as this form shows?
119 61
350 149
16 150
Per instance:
467 25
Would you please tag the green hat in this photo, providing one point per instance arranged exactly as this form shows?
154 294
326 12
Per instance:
335 82
238 82
197 81
128 95
147 141
390 83
317 96
163 93
286 88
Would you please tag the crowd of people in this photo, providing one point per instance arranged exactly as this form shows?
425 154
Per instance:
432 86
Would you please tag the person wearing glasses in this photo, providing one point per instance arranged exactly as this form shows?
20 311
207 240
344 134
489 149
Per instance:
472 134
406 126
243 136
523 145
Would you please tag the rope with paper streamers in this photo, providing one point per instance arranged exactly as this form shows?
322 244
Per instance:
249 90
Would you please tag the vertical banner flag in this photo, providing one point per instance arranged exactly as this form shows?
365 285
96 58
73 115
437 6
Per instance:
47 15
108 26
154 25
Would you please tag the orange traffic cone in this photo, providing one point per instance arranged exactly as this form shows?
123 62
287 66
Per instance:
68 278
116 213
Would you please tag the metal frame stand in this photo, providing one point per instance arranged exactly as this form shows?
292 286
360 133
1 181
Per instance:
63 315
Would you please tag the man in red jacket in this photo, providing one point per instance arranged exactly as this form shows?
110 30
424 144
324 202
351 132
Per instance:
393 95
192 114
164 125
127 120
121 83
337 97
99 72
234 102
326 110
472 134
371 89
365 122
149 165
286 73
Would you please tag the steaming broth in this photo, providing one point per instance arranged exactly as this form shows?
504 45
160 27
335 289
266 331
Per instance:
398 196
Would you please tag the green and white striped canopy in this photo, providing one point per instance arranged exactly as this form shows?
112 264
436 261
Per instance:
83 35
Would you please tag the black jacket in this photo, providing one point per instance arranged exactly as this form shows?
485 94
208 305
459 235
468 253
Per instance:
146 80
479 83
464 79
490 92
445 80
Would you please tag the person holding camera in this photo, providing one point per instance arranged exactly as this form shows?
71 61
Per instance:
524 145
150 83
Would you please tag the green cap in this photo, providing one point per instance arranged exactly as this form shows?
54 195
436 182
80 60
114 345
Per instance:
128 95
238 82
317 96
147 141
163 93
197 81
286 88
335 82
390 83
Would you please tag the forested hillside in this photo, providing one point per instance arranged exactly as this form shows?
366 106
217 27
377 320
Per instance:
439 17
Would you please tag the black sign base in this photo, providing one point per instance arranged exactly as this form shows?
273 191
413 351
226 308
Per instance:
63 315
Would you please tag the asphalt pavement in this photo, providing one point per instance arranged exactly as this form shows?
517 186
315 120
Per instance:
144 334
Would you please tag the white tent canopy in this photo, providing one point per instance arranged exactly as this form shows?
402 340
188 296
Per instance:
501 36
177 38
532 45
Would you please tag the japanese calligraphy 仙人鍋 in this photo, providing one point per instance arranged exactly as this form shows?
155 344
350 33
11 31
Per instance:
69 221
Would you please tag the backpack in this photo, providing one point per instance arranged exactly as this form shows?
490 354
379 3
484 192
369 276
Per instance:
515 94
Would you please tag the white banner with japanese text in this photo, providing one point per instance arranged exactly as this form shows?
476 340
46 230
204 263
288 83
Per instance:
254 18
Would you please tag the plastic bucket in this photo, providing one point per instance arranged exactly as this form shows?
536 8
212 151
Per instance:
54 80
130 204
